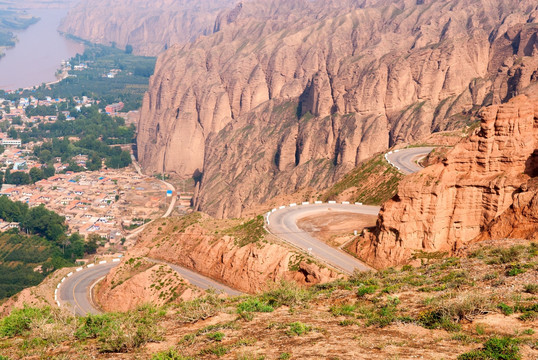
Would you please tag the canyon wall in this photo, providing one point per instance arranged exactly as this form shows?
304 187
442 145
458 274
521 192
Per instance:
483 189
291 94
150 26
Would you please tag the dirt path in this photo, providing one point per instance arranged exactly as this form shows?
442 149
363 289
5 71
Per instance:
335 228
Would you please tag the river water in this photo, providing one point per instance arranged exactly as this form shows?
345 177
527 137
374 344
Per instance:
38 53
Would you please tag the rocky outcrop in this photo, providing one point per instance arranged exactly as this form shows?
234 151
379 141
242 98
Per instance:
138 282
482 184
520 221
150 26
249 268
290 94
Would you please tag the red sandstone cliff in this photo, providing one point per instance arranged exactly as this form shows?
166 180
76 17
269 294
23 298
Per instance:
485 183
291 94
150 26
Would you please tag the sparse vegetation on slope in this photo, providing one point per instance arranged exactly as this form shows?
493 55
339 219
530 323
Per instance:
373 182
443 309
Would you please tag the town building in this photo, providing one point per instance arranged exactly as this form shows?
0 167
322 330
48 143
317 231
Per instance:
11 142
114 108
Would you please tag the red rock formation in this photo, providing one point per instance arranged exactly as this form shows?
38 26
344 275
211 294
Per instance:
289 94
520 221
138 282
250 268
447 205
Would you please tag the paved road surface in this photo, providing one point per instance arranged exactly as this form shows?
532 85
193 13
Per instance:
405 159
283 223
168 211
201 281
75 290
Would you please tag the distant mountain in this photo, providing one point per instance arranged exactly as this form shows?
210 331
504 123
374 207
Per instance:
293 94
149 26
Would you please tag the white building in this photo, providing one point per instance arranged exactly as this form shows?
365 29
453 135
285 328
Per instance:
11 142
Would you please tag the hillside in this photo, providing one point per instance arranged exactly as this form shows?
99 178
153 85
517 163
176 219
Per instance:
294 94
149 26
480 307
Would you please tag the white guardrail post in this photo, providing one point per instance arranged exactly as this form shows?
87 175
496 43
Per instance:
56 298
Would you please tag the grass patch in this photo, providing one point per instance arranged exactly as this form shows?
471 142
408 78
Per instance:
121 332
249 232
170 354
364 190
298 329
495 349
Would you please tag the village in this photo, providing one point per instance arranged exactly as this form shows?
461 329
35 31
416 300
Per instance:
109 202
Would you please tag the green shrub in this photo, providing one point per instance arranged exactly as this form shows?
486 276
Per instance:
385 315
531 288
343 310
495 349
200 309
20 320
361 278
528 316
91 326
366 289
286 293
505 309
284 356
437 320
515 270
505 256
254 305
170 355
298 329
347 322
218 350
217 336
119 332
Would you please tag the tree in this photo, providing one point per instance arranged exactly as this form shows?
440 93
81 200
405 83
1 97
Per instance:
49 171
12 133
76 247
128 49
7 177
95 162
92 244
19 178
36 174
46 223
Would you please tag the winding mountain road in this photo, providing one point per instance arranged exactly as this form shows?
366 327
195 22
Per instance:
168 210
406 159
75 290
283 224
